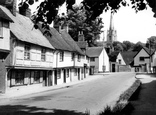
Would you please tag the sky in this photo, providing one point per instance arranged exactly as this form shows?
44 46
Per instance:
130 26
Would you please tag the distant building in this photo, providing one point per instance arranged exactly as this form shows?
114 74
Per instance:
111 33
99 60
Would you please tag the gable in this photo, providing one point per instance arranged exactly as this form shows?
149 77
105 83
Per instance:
143 53
121 58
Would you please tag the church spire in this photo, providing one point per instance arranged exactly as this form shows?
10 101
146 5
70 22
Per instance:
111 33
111 27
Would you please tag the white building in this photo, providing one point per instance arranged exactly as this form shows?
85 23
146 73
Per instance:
99 60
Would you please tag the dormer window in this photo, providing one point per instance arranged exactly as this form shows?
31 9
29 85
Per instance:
3 24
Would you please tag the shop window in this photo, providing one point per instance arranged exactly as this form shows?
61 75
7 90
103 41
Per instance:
36 76
67 73
26 77
27 52
75 71
43 54
19 77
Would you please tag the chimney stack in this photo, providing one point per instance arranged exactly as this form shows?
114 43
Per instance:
25 12
10 4
81 36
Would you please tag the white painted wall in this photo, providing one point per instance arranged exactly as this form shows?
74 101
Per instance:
78 63
35 56
67 62
103 60
119 57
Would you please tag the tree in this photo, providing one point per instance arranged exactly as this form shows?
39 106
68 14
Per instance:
127 45
138 46
76 22
117 46
151 42
48 9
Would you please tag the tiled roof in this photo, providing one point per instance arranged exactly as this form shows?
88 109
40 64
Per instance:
3 14
57 40
128 56
148 50
82 44
23 29
71 42
94 51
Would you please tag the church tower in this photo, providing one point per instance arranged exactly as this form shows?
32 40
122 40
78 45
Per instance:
111 33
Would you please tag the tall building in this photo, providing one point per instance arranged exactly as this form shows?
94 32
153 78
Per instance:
111 33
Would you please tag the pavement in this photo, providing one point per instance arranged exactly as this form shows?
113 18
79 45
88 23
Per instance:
145 103
15 92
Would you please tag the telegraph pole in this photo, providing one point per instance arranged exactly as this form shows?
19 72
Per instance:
103 50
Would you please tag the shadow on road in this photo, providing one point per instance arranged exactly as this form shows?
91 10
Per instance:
32 110
143 101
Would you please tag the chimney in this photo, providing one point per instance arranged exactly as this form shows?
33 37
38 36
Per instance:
14 7
81 36
25 12
10 4
65 27
57 26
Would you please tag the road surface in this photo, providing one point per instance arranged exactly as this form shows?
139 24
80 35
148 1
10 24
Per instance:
90 96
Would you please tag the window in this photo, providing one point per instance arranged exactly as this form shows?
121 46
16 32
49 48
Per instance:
119 61
67 73
27 52
3 24
79 58
73 56
75 71
43 54
92 59
36 76
141 58
61 56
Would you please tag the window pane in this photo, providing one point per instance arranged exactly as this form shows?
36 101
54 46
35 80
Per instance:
27 52
43 54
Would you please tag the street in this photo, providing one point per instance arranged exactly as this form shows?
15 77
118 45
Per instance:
90 96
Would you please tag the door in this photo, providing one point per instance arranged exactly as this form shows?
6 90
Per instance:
50 82
78 73
64 74
113 67
55 77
